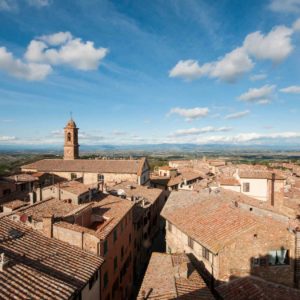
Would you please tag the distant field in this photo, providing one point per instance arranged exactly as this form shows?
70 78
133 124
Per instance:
11 162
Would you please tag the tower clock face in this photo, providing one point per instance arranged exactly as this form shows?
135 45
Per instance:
69 151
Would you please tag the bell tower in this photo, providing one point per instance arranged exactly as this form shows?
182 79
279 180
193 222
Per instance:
71 147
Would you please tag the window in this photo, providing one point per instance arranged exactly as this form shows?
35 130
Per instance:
115 263
191 243
205 253
73 176
170 226
105 279
100 177
105 247
69 137
115 235
129 238
278 257
246 187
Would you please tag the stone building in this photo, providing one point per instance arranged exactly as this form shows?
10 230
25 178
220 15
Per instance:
90 171
231 240
73 190
33 266
148 203
104 228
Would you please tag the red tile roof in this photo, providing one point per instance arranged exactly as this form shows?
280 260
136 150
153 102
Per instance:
172 276
40 267
53 206
87 165
259 175
256 288
184 175
211 219
229 181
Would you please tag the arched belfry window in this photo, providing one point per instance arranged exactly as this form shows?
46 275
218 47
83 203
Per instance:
69 137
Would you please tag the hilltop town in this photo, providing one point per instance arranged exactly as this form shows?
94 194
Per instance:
74 228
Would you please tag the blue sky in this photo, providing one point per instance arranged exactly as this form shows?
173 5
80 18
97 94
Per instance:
135 72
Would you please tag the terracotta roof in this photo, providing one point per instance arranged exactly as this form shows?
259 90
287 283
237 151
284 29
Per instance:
211 218
53 206
166 168
74 187
257 289
20 178
172 276
87 165
39 267
184 175
259 175
229 181
15 204
111 208
136 190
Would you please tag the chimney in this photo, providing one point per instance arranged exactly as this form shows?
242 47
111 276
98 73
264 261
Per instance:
3 262
32 197
39 195
48 225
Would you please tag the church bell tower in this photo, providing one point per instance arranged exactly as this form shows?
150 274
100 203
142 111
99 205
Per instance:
71 147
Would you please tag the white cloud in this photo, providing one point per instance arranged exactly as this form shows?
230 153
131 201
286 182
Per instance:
296 25
73 52
248 137
258 95
237 115
49 50
286 6
187 69
38 3
196 131
190 113
294 89
5 138
232 66
23 70
56 38
228 68
276 45
257 77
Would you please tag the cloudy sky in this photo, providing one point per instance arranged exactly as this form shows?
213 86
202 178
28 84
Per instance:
136 72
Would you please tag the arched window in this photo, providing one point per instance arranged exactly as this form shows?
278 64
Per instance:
69 137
